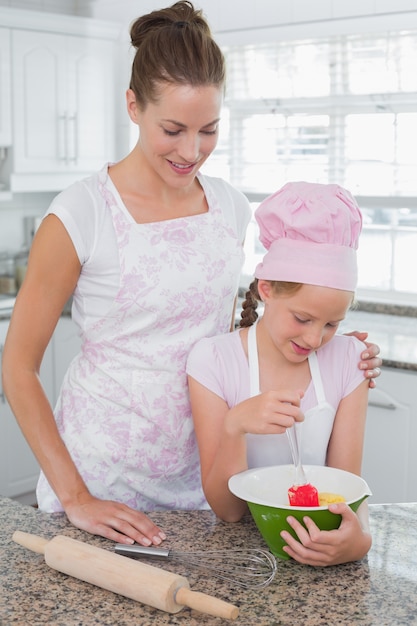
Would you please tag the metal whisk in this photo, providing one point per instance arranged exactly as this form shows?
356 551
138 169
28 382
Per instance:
251 568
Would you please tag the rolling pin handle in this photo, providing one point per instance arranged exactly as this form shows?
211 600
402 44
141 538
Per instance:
32 542
205 603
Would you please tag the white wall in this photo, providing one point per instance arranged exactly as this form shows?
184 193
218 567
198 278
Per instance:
232 16
69 7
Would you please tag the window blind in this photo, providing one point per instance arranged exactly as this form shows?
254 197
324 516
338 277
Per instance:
343 109
335 110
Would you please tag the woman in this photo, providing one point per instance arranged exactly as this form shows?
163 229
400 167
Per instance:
152 252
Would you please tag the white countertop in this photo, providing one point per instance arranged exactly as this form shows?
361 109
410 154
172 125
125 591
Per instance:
396 335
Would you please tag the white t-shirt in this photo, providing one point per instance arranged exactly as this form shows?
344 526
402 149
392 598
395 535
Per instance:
82 210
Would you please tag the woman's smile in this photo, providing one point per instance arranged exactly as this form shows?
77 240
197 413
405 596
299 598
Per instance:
182 168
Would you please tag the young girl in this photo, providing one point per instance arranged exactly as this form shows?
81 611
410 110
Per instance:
249 386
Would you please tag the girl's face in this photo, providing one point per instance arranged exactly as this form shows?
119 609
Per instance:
300 323
178 132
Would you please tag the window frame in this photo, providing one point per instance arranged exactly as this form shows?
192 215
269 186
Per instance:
336 105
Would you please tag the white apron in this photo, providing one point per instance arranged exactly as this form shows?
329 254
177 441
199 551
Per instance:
264 450
124 411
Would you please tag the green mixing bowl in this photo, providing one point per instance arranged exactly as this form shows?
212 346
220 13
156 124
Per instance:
265 490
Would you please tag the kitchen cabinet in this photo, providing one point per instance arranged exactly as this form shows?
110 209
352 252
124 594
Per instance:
63 112
19 469
67 344
390 459
5 89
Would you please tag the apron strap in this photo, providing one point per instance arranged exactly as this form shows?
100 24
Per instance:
254 368
316 377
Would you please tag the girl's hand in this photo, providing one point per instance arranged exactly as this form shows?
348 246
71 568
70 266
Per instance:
328 547
268 413
114 521
371 362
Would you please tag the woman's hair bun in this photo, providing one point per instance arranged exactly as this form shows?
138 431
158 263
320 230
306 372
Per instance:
176 16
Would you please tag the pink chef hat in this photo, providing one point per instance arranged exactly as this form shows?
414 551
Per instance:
311 232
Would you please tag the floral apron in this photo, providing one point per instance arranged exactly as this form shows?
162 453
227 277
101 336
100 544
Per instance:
123 410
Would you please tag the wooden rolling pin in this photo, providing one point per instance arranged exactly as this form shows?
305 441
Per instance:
147 584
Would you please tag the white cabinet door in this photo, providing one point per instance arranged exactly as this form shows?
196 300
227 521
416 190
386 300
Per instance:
67 344
19 469
63 102
90 97
5 89
389 464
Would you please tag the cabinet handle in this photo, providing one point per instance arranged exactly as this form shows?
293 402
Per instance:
73 138
383 405
63 137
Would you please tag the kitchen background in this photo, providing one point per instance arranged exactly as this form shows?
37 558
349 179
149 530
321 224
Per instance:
323 90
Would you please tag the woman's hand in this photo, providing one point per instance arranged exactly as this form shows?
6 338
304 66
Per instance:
371 362
114 521
328 547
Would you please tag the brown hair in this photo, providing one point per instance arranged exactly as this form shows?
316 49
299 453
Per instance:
252 297
173 45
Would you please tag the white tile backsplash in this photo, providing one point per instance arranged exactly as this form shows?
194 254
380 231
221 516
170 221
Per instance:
12 214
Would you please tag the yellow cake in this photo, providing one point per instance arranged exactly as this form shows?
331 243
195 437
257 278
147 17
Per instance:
326 498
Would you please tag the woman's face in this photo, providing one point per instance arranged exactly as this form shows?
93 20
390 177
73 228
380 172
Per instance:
179 132
300 323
